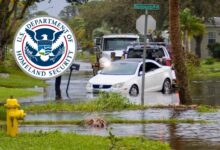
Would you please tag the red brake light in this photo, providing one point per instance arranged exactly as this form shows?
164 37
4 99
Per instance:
168 62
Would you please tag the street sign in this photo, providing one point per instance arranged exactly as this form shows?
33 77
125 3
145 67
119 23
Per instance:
140 24
147 6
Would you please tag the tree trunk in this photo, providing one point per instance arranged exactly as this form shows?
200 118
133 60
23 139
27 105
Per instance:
198 40
185 40
1 54
189 44
179 61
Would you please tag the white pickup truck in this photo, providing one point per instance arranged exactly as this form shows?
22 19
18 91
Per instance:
115 45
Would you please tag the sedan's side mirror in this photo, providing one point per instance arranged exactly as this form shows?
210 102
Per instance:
140 73
99 71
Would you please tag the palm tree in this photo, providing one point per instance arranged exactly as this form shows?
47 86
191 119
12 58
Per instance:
178 54
191 26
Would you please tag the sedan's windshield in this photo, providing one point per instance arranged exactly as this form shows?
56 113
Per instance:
117 43
122 68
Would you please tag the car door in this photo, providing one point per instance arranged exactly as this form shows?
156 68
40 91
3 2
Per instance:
153 77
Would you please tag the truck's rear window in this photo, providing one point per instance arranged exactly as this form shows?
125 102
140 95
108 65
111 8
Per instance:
137 53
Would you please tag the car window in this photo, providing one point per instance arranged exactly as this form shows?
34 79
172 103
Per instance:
149 66
117 43
150 53
120 69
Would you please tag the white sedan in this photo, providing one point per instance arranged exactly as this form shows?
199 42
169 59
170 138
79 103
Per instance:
125 76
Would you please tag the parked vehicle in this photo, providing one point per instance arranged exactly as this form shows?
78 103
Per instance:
158 53
155 51
116 44
125 76
111 47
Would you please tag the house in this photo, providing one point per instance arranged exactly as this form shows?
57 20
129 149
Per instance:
212 35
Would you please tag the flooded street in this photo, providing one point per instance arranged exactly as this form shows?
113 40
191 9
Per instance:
179 136
203 92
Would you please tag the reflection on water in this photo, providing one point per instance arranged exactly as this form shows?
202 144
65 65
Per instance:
206 92
180 136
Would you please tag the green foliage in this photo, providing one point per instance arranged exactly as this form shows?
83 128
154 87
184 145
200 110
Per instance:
190 23
110 101
16 79
86 57
2 113
113 140
15 92
9 62
69 141
192 59
192 63
215 50
206 109
105 102
208 71
209 61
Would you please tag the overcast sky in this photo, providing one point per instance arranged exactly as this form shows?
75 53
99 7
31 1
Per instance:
53 8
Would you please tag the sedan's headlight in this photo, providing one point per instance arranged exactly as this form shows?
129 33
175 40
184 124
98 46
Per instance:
89 85
118 85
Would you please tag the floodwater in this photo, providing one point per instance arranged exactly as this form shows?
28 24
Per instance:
179 136
206 92
203 92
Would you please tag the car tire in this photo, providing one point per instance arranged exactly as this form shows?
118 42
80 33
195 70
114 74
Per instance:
166 86
134 91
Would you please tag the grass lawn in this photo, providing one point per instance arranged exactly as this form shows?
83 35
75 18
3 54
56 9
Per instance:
206 71
16 82
105 102
69 141
18 79
15 92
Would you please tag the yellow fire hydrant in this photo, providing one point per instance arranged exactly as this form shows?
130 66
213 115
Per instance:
13 115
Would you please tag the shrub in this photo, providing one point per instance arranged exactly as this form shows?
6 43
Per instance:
209 61
215 50
2 113
192 59
192 62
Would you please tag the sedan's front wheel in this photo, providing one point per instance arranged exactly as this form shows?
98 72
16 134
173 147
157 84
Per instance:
134 90
166 86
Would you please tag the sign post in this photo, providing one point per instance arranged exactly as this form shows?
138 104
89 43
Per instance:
145 7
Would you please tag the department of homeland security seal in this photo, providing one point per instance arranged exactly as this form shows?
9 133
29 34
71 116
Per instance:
44 47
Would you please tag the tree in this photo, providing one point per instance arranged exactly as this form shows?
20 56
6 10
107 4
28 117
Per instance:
68 12
190 26
10 12
178 54
202 9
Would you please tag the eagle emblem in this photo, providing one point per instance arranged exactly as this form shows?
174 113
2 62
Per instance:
44 46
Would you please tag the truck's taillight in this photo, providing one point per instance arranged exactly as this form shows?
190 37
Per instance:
168 62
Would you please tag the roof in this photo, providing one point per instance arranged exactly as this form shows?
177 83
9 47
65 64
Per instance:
121 36
213 22
149 46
